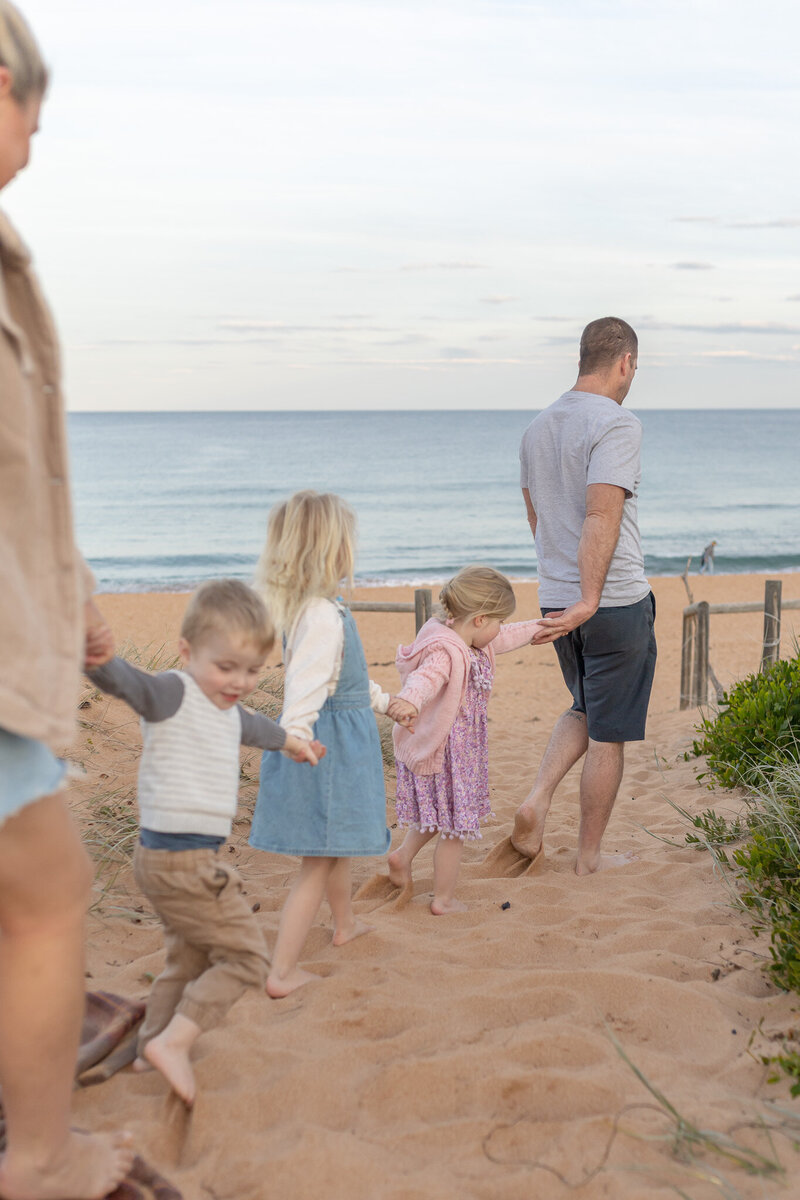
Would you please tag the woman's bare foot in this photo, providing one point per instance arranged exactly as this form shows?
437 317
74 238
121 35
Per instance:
89 1165
279 986
605 862
168 1052
346 933
440 908
399 870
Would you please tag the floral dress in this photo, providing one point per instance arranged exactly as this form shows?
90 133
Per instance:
455 801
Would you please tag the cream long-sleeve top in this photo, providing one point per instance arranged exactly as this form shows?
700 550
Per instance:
313 661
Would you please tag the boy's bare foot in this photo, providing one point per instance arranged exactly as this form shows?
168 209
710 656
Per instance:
89 1165
278 987
346 933
528 832
605 861
140 1064
399 870
168 1052
440 908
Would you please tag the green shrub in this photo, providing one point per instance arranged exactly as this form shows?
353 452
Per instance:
756 729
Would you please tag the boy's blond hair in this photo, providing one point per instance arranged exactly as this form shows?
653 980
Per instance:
310 549
478 592
20 53
228 606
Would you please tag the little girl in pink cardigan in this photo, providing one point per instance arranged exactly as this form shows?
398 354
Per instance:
441 741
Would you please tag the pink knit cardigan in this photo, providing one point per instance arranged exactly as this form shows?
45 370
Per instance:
423 751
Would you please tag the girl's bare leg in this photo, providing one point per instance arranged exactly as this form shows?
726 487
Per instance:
446 864
339 893
299 911
400 860
45 877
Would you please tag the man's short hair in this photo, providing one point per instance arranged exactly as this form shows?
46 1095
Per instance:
228 606
604 342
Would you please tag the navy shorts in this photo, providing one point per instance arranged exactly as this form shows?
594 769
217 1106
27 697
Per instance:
608 665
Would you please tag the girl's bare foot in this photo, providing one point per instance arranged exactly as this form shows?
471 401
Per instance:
346 933
279 986
89 1165
440 908
399 870
168 1052
140 1064
604 862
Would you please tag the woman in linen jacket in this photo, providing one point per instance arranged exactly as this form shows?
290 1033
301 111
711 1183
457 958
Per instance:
48 625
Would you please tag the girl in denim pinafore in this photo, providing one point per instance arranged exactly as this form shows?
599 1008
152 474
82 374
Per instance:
337 810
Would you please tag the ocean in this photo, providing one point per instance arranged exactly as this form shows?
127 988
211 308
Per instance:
164 500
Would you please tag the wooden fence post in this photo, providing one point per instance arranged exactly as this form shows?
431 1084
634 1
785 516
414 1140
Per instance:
422 606
687 646
701 655
771 649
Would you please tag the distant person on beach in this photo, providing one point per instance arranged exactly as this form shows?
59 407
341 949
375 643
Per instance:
193 724
337 812
707 559
48 627
442 743
580 472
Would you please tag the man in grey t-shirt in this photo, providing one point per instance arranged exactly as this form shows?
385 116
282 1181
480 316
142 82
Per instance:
580 472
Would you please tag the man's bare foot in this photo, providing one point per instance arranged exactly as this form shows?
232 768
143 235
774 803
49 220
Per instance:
280 986
346 933
605 862
168 1052
89 1165
140 1064
399 870
528 832
440 908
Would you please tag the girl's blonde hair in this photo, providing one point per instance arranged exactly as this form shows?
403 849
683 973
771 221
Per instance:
478 592
21 55
310 549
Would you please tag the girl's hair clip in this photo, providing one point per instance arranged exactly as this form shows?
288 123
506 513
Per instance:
450 621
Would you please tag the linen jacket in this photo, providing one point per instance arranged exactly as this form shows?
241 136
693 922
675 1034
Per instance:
423 751
43 579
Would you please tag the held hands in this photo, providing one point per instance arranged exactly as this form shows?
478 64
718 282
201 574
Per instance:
403 712
99 639
559 623
299 750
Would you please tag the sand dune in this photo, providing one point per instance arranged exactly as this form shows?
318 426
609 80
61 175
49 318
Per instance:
473 1055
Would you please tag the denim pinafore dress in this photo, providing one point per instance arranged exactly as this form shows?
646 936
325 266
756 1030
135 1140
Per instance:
338 808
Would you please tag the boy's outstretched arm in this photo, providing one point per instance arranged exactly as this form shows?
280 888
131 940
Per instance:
154 697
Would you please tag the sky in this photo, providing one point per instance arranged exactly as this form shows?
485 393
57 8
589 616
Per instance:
372 205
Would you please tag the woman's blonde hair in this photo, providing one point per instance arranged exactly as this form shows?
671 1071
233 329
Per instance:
310 549
478 592
21 55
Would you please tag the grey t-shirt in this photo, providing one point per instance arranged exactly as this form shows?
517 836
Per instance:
581 439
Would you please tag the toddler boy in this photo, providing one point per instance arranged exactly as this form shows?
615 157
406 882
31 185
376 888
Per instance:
192 726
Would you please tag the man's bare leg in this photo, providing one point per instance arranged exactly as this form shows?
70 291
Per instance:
600 780
568 742
45 877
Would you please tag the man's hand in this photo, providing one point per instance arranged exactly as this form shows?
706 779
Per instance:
403 712
99 638
555 625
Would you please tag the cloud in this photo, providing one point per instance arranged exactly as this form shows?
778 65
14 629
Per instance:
693 266
748 356
697 220
796 297
445 266
498 299
775 223
734 327
255 325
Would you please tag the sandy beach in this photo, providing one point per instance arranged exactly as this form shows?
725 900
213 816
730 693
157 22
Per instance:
471 1055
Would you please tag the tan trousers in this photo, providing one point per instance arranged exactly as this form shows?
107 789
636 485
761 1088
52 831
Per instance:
215 948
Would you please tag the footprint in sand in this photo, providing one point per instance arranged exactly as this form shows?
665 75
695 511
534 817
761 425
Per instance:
505 861
381 889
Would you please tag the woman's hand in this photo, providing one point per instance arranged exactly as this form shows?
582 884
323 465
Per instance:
99 638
